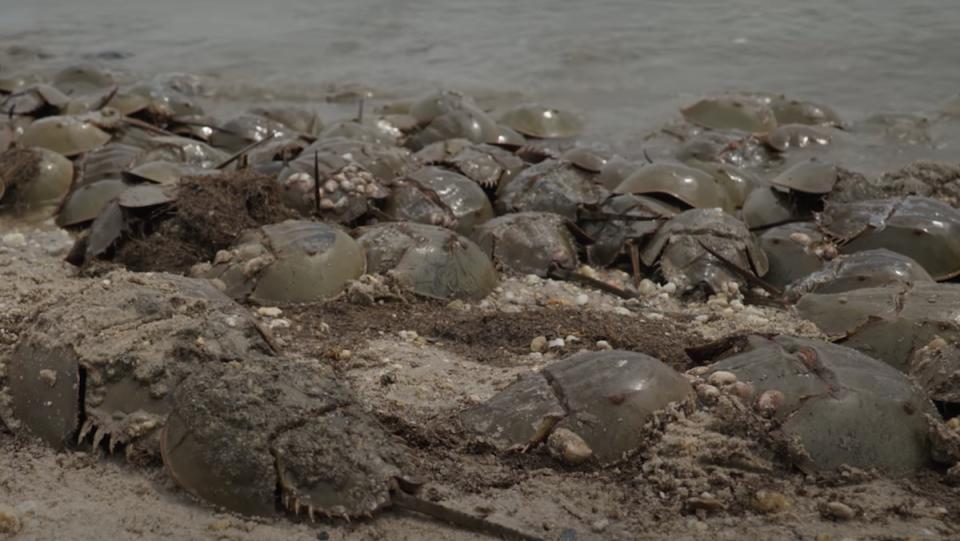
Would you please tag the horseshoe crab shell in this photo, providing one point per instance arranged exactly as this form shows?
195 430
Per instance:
35 177
924 229
293 261
691 186
791 252
604 397
240 432
808 177
731 113
543 122
86 202
113 355
790 111
550 186
889 323
487 165
438 197
430 261
869 268
67 135
842 407
681 248
528 242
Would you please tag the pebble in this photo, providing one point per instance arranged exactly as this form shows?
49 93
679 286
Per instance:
702 318
15 240
279 324
769 501
408 336
768 402
568 446
654 315
538 344
669 288
556 343
9 521
531 279
600 525
838 510
582 299
49 376
620 310
647 287
269 311
603 344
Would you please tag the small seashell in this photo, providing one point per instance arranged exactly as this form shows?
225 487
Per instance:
331 185
568 446
769 402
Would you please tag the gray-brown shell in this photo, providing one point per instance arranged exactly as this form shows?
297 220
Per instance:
840 406
808 177
796 136
430 261
686 184
550 186
731 113
34 177
921 228
244 129
86 202
791 251
130 340
890 322
67 135
437 196
543 122
790 111
528 242
242 434
293 261
487 165
681 245
606 398
869 268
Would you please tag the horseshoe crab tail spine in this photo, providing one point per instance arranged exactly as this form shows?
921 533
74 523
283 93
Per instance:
310 513
459 518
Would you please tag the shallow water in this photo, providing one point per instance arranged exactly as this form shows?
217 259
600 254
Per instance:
627 64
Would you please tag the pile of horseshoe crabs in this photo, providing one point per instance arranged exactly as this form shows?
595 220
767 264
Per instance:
436 199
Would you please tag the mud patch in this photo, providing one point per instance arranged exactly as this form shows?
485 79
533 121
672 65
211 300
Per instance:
485 336
208 216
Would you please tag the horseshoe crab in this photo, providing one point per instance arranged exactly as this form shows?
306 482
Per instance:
305 121
105 363
240 131
487 165
741 113
550 186
736 181
351 173
474 125
34 177
793 251
606 398
838 405
796 136
811 177
869 268
436 196
292 261
921 228
690 245
37 100
86 202
528 242
623 222
542 122
430 261
266 438
71 135
889 322
591 158
790 111
689 186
